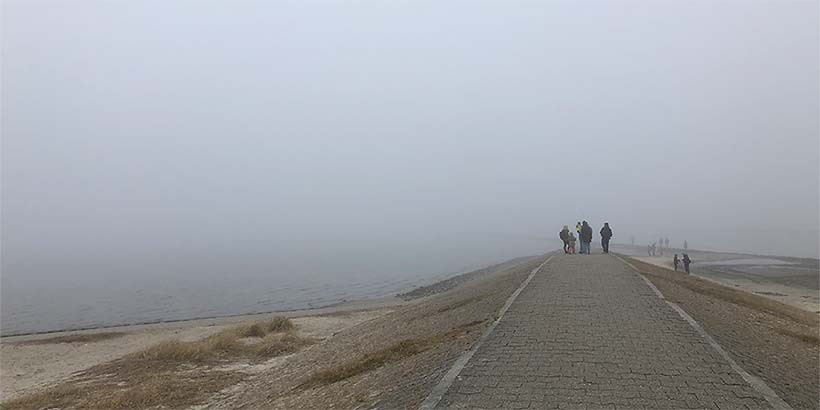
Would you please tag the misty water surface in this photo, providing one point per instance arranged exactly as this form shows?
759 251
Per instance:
112 289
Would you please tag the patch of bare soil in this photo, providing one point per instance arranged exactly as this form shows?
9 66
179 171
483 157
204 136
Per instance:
776 342
389 362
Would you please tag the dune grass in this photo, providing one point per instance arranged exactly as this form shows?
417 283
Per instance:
393 353
368 362
812 339
171 374
276 336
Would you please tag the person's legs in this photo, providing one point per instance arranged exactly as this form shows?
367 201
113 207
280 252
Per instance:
565 246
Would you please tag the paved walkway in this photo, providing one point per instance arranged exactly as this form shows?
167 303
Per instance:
588 332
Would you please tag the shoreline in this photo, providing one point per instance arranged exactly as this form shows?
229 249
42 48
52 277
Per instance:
347 305
438 282
35 361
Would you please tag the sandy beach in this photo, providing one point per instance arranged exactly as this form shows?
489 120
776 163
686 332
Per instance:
31 362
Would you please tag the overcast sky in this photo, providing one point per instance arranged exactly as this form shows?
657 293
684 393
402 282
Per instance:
189 127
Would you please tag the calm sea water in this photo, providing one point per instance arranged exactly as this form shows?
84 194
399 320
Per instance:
40 295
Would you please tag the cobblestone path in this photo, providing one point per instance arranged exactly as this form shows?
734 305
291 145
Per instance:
588 332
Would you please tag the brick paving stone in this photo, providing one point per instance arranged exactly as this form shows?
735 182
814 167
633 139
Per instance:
588 332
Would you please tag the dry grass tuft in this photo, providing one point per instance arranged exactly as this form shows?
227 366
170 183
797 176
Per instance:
56 397
276 345
226 344
200 351
279 324
140 391
460 303
75 338
254 330
812 339
393 353
368 362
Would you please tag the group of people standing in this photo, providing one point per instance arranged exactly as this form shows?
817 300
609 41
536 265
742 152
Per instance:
585 236
686 261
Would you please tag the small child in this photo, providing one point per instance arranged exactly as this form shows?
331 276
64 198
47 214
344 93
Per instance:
571 248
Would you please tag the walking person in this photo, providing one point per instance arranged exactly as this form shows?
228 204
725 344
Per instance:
585 237
686 262
572 240
606 234
564 236
676 261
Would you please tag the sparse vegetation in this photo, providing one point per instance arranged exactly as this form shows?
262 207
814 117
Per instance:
393 353
812 339
153 377
276 344
460 303
369 361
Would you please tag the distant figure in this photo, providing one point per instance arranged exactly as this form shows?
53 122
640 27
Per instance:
585 237
649 250
632 239
660 245
606 234
666 243
571 243
676 261
653 248
564 235
685 245
686 262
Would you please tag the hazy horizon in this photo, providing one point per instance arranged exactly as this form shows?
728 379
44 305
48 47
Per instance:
225 139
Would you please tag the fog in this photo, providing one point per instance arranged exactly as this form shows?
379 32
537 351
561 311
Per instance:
220 138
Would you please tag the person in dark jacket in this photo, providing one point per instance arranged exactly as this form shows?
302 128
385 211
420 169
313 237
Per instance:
676 261
606 234
686 262
564 235
586 237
